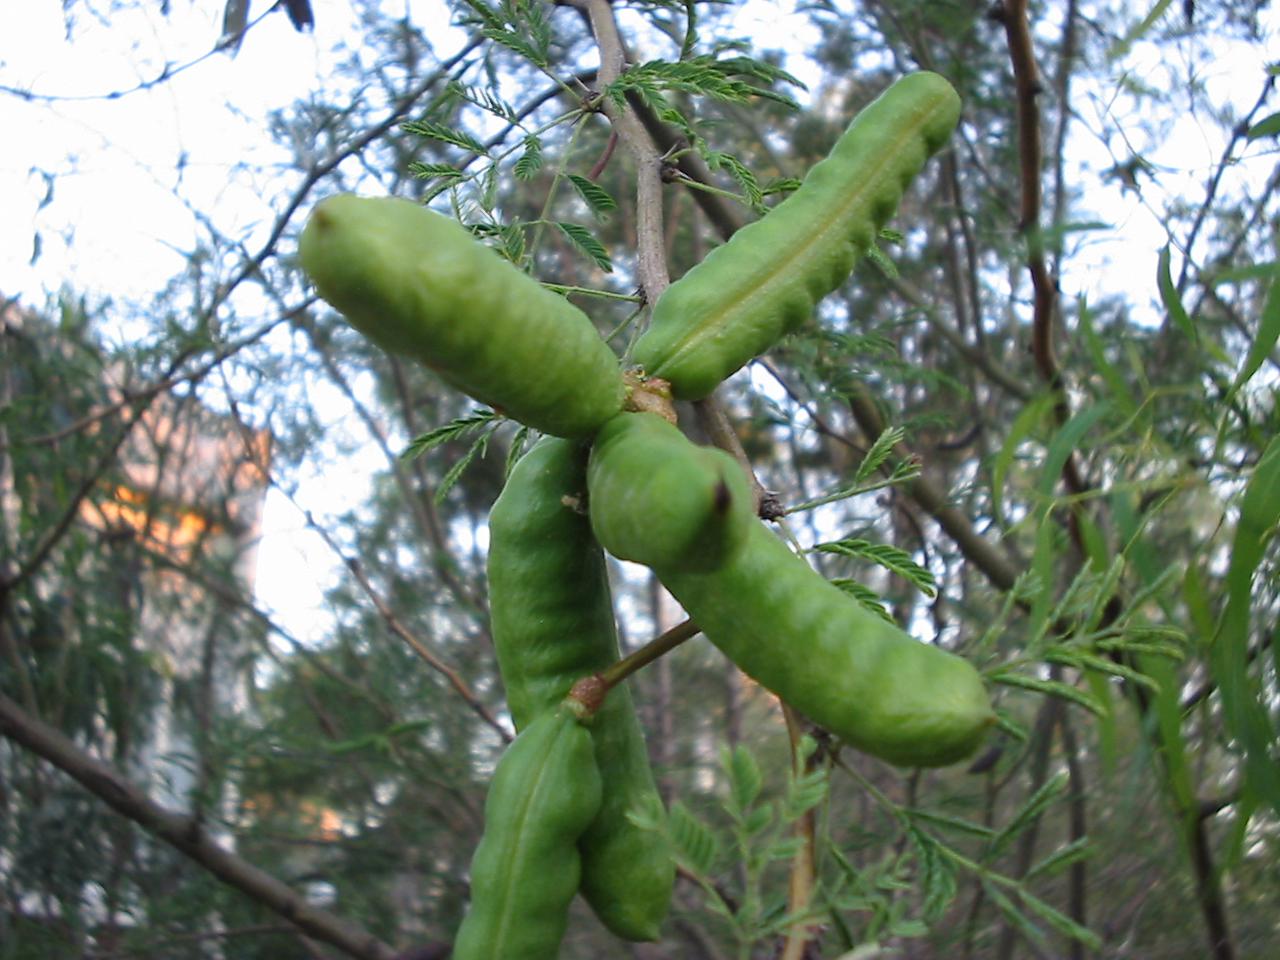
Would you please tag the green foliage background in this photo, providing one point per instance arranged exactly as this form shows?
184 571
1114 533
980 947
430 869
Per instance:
1098 538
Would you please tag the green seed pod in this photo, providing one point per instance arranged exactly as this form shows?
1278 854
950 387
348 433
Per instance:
524 874
766 280
418 284
551 616
661 500
848 670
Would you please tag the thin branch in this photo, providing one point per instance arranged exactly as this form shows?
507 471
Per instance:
1062 92
976 548
996 374
1028 87
417 646
650 250
1211 191
323 169
167 73
650 652
185 835
424 514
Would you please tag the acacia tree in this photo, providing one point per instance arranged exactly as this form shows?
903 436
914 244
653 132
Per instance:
1076 498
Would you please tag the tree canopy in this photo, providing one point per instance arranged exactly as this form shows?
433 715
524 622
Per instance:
1035 427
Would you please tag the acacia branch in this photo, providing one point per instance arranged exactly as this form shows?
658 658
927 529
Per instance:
185 835
650 250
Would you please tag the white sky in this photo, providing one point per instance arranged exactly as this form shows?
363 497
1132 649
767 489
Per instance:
116 227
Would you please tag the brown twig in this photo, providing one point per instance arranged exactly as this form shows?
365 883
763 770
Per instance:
802 876
650 652
599 166
1028 87
184 835
650 251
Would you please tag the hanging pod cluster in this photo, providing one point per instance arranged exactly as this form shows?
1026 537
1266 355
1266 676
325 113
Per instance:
551 617
559 813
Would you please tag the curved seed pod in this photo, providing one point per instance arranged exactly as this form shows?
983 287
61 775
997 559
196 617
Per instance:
545 791
766 280
552 622
864 679
659 499
417 283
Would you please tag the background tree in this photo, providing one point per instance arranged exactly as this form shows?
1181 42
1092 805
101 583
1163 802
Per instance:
1015 446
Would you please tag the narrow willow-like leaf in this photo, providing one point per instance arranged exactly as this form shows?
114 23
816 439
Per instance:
1066 440
1134 647
1006 724
1058 920
585 240
1015 916
1063 857
1027 421
1244 705
1268 334
1171 299
953 823
1117 388
1087 661
1139 30
1266 127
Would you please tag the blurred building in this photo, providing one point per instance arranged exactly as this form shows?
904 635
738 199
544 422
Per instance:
159 560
